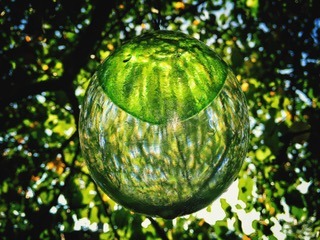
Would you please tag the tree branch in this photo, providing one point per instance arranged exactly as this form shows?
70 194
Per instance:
79 57
72 62
17 92
158 229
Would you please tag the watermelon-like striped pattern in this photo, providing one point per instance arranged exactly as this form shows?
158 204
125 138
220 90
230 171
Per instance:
168 169
162 75
152 136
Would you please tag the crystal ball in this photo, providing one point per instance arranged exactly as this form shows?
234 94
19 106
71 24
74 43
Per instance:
164 125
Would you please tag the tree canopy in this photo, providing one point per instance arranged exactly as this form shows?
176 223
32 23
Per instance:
49 50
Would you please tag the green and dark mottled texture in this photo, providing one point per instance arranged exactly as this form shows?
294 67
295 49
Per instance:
164 125
169 169
162 75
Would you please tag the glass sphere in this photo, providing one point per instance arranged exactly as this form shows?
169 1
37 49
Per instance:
164 125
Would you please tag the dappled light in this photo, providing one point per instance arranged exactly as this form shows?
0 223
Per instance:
49 51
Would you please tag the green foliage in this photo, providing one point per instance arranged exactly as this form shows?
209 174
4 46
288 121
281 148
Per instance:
50 48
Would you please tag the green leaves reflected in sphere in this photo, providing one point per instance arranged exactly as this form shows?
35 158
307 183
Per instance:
164 125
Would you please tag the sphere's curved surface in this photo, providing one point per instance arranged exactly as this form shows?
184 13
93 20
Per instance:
149 76
171 165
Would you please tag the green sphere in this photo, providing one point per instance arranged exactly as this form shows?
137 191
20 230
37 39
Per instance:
164 125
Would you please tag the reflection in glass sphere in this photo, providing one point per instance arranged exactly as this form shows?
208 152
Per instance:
165 169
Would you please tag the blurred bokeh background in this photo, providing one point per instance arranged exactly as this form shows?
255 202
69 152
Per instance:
49 49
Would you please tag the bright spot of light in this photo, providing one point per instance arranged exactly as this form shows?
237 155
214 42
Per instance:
48 132
238 206
93 227
211 217
246 220
303 97
106 227
82 223
62 200
53 210
277 228
69 131
303 187
29 193
146 223
40 98
79 91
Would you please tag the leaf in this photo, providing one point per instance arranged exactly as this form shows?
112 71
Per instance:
298 212
263 153
94 215
245 188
